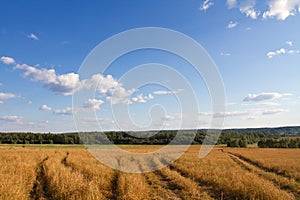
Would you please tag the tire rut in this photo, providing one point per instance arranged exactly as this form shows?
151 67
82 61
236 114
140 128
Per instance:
160 185
207 187
40 188
263 174
86 177
258 165
162 189
114 185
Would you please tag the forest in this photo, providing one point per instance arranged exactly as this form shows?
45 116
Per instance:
265 137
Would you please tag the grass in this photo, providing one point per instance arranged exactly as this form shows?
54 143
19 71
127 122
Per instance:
285 162
55 172
47 146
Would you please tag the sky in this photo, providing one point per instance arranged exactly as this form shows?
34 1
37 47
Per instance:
255 46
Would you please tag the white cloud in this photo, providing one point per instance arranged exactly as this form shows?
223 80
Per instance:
142 98
231 114
225 114
119 95
232 24
290 43
231 3
150 96
293 51
206 5
33 36
5 96
67 84
172 117
164 92
93 104
280 51
92 121
248 114
7 60
14 119
264 96
64 111
247 7
269 103
262 103
270 54
61 84
273 112
103 83
113 90
45 108
225 54
282 9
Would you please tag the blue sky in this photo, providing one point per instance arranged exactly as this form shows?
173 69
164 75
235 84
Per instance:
254 44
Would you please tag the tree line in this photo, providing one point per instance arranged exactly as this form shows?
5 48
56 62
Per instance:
265 137
279 143
146 137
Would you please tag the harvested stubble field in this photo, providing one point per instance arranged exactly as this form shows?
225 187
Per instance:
40 173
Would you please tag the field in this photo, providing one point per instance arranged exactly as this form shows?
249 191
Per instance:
226 173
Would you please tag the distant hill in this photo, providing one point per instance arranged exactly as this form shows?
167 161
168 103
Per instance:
287 130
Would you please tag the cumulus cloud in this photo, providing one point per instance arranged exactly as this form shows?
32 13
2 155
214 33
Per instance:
232 24
142 98
231 3
103 83
119 95
111 89
14 119
247 7
33 36
290 43
264 96
45 108
87 106
64 111
61 84
270 54
5 96
67 84
7 60
280 51
282 9
279 9
206 5
93 104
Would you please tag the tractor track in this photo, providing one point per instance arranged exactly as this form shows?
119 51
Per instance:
40 189
265 173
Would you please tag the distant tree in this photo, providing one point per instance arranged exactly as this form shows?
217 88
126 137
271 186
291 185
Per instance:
243 143
233 143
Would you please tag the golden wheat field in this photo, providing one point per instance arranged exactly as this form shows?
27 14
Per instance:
61 173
